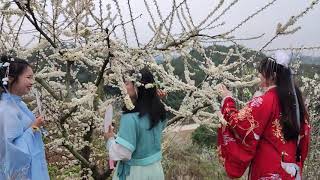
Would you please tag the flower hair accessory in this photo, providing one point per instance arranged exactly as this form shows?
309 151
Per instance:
136 77
282 58
6 77
150 85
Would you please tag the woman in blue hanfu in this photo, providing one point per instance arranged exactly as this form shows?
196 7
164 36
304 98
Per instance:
22 154
137 146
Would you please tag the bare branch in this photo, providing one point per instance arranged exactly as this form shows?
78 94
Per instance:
186 19
158 32
17 35
171 22
101 18
150 14
180 20
189 14
35 24
211 14
221 14
122 22
133 26
251 16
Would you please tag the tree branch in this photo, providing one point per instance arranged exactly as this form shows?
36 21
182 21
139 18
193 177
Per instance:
124 23
106 61
194 111
133 26
177 43
65 135
68 80
47 87
77 155
35 24
16 40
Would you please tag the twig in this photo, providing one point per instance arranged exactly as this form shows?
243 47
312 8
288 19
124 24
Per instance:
250 17
189 14
106 61
162 25
150 14
180 21
194 111
35 24
122 22
294 48
17 35
221 14
170 23
133 26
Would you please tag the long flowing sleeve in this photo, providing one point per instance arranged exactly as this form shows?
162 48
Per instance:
237 142
128 132
15 154
117 152
3 148
125 143
249 122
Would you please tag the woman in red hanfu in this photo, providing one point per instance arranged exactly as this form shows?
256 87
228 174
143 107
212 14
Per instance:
271 134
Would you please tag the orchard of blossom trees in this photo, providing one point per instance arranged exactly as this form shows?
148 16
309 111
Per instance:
73 38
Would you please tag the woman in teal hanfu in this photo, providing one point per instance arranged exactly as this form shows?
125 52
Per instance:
137 145
22 155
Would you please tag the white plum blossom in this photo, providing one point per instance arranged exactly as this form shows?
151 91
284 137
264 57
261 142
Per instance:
80 49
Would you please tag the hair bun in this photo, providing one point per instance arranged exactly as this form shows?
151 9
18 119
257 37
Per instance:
4 58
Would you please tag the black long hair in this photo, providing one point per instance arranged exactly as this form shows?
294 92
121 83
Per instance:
16 68
148 102
282 77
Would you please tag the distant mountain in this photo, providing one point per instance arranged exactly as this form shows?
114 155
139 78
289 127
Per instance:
315 60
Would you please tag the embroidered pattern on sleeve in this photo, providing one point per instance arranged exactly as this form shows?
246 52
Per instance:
277 130
256 102
271 177
245 114
227 139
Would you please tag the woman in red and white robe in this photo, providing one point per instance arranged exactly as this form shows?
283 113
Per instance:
270 134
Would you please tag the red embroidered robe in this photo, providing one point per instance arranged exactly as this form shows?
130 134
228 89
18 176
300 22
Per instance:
253 135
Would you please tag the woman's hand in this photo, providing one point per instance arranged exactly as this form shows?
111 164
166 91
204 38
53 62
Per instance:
161 93
108 134
223 91
38 122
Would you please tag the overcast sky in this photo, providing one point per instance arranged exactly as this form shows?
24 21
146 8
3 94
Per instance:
265 22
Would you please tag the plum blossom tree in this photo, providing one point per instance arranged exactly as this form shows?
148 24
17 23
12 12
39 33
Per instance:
75 38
